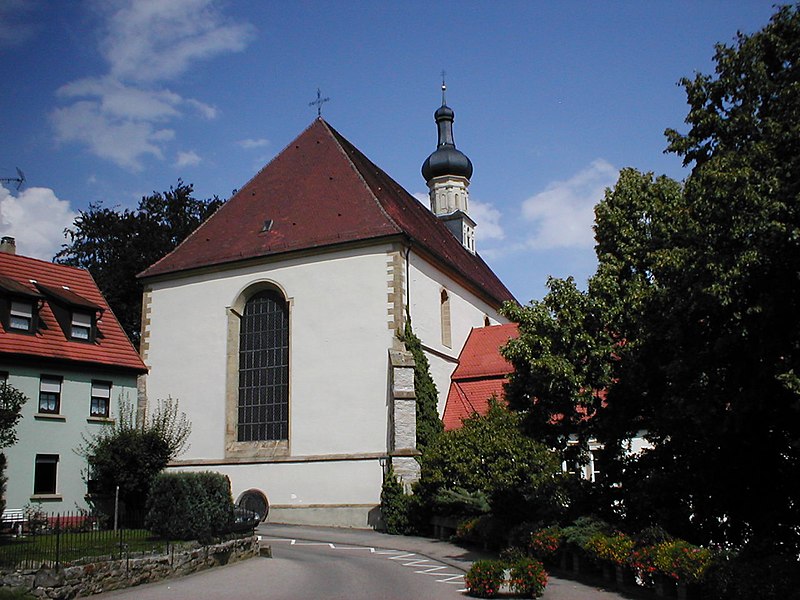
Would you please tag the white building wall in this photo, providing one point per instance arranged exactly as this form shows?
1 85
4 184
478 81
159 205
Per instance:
56 434
466 311
338 350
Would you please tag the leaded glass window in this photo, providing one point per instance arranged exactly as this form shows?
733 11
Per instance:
263 410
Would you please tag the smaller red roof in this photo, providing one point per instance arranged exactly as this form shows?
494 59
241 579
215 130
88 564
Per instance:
481 374
52 284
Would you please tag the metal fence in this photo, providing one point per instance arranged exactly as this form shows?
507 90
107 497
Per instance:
62 539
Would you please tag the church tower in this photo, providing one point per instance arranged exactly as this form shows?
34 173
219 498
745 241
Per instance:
447 172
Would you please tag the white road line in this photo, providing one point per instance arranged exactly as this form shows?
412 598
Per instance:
448 579
402 556
428 571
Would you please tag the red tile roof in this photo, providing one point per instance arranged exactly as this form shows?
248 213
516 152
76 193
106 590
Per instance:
111 348
480 374
318 192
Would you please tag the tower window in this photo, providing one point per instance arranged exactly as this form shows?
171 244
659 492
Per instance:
263 407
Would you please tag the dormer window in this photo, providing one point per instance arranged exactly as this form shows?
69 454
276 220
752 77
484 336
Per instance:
21 316
77 316
81 328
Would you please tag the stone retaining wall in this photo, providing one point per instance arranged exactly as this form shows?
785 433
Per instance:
89 578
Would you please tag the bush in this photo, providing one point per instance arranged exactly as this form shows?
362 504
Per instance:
544 543
615 548
763 573
188 506
682 561
490 455
528 577
395 504
485 577
582 530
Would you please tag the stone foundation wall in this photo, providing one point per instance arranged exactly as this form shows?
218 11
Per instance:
90 578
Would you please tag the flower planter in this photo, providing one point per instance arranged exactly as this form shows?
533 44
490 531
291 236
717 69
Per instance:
664 585
608 572
623 576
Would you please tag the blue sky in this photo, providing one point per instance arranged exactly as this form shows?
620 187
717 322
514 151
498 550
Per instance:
107 101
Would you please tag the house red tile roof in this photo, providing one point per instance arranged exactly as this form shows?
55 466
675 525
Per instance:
480 374
318 192
111 347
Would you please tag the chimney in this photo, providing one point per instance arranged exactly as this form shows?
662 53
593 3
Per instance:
8 245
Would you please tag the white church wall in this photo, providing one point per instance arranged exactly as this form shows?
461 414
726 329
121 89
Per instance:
466 311
338 492
338 353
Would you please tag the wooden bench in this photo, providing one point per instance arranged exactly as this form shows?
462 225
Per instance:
14 519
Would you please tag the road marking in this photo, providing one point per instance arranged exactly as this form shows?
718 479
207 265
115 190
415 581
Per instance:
401 555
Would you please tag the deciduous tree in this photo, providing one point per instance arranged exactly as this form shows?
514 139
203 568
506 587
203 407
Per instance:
114 246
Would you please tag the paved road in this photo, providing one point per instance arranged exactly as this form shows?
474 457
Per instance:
317 562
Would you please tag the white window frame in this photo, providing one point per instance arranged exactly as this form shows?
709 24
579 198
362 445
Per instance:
81 326
101 392
20 313
49 384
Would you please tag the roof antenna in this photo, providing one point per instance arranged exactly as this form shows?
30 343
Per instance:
318 103
19 179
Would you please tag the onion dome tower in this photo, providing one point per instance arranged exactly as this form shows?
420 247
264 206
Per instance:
447 172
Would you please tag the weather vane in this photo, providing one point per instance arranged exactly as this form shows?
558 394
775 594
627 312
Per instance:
318 103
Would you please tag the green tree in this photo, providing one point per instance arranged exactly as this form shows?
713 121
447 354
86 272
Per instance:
490 456
130 454
11 401
115 246
429 425
697 287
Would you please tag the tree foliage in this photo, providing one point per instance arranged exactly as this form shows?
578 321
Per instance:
11 401
429 425
130 454
114 246
691 320
490 455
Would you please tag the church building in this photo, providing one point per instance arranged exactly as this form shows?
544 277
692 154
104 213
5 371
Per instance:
275 324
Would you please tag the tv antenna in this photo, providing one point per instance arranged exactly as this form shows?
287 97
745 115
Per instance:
19 179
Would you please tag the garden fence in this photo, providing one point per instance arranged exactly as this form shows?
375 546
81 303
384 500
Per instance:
65 538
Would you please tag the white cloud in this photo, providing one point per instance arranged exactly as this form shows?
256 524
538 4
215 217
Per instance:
487 220
121 115
562 215
153 40
123 141
253 143
188 159
37 219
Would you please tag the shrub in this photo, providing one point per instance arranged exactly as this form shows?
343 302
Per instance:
682 561
491 456
485 577
544 543
643 559
615 548
130 454
528 577
394 505
582 530
188 506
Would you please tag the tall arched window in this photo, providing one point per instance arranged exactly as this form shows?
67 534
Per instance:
263 408
444 310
